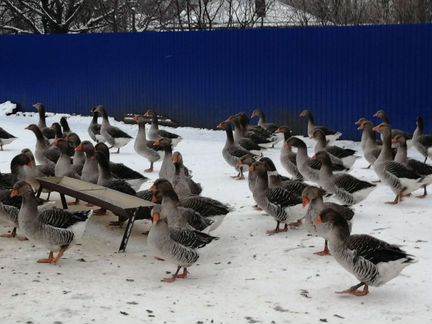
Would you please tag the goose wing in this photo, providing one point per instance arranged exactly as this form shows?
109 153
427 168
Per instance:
205 206
283 197
164 133
345 211
425 140
248 144
192 239
339 151
60 218
351 184
238 151
327 131
400 171
145 194
4 134
124 172
116 132
122 186
375 250
196 220
420 167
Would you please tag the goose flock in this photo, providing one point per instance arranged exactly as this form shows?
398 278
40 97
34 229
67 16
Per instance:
318 194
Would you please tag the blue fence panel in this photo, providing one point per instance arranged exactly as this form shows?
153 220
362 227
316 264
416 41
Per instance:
199 78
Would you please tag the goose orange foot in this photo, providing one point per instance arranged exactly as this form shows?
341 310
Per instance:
354 291
48 260
323 253
183 275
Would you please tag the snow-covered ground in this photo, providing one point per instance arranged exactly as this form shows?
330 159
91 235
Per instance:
245 277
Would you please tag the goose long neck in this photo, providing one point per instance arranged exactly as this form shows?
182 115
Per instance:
104 115
170 198
317 203
302 153
274 179
39 136
29 209
262 182
168 151
42 122
177 167
230 136
419 130
65 125
321 143
338 237
90 153
142 130
95 118
402 153
262 119
310 118
369 133
326 169
155 120
104 174
386 147
385 118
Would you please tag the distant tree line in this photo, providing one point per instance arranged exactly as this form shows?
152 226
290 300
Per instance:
86 16
361 12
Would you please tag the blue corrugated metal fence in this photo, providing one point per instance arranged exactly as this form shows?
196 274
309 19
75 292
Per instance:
199 78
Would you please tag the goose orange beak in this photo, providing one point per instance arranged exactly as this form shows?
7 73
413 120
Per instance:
252 168
154 199
305 202
394 140
79 148
314 157
55 143
318 220
376 129
14 193
156 218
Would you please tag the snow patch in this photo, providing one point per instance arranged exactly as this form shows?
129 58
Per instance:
7 108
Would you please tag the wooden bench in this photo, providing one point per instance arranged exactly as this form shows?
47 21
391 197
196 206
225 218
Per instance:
119 203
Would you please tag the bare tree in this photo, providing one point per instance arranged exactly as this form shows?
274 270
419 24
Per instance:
55 16
83 16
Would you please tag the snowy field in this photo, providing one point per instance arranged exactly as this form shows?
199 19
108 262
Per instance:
245 277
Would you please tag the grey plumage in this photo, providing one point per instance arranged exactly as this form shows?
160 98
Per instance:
114 136
372 261
56 229
348 189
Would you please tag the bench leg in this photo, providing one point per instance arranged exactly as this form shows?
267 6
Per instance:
63 200
39 192
128 231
